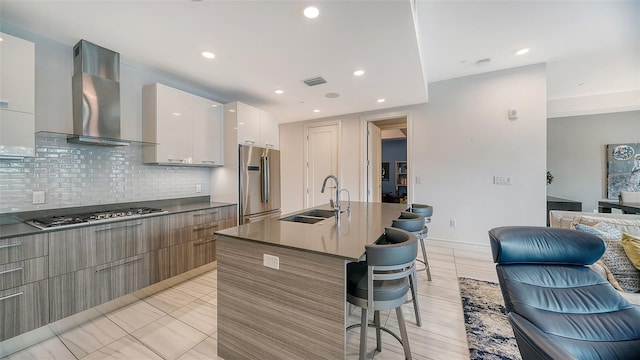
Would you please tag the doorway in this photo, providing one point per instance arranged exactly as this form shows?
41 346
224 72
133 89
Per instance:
388 159
321 156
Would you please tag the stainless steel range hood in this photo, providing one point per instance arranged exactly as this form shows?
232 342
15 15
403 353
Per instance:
96 96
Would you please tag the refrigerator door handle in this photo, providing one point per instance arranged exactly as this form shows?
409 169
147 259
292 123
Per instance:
265 179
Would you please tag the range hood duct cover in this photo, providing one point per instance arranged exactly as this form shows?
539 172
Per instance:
96 95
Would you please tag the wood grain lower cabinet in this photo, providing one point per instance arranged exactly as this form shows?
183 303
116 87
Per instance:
23 308
80 290
81 248
23 247
23 272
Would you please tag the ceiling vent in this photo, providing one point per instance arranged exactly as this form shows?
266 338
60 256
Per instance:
315 81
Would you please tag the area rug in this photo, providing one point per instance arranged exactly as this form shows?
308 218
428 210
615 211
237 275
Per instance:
488 331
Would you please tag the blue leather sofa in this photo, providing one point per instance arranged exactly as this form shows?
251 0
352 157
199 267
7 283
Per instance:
558 307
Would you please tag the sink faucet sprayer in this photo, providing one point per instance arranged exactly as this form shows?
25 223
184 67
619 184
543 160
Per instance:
336 206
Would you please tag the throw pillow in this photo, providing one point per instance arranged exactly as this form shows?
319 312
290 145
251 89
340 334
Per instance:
609 275
630 226
602 229
616 260
631 245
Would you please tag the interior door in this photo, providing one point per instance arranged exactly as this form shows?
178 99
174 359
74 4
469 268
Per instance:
374 163
322 160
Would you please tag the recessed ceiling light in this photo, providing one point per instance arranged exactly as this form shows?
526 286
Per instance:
331 95
279 91
1 39
208 54
311 12
176 114
214 105
381 100
231 110
358 72
522 51
316 110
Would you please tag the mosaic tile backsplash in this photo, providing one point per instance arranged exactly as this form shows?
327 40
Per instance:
80 175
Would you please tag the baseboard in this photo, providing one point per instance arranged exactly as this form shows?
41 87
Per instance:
459 245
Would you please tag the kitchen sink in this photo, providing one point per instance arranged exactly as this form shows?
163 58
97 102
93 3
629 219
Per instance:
319 213
310 216
302 219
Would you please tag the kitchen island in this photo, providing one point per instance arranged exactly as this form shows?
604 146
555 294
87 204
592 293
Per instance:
281 284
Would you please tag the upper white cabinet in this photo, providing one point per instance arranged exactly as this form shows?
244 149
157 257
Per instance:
253 126
186 128
17 97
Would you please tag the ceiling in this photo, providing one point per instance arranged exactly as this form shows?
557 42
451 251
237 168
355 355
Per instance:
260 46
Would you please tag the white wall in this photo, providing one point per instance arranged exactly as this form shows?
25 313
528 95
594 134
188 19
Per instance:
462 138
576 153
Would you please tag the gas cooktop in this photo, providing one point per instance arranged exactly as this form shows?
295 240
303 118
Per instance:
92 218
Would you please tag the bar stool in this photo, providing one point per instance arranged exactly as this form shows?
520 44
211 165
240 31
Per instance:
426 211
382 283
414 224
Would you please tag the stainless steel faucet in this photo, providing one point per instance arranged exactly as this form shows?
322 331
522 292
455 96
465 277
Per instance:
336 205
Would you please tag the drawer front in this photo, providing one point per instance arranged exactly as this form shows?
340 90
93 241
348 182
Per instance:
80 290
156 232
23 309
23 247
78 249
23 272
204 251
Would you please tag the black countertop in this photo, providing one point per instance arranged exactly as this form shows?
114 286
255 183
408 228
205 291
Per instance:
13 224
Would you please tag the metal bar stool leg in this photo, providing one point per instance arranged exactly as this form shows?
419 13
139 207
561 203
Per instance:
413 283
376 320
363 333
403 334
424 256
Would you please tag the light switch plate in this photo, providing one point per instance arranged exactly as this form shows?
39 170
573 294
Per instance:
502 180
271 261
38 197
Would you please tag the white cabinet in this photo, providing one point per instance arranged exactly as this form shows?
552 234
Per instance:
17 97
252 126
269 132
187 129
207 132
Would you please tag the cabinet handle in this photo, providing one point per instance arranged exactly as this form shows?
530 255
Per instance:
176 160
204 242
249 142
10 296
119 227
10 245
10 271
269 146
209 213
123 264
208 161
206 227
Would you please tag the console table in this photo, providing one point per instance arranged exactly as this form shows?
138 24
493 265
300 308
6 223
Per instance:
554 203
627 208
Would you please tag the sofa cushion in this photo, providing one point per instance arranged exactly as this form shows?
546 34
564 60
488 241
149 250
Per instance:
615 258
631 245
629 226
601 229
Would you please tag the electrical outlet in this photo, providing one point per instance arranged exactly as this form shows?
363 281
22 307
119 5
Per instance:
198 188
37 197
502 180
418 179
271 261
452 222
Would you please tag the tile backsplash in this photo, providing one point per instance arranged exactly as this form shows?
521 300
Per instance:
78 175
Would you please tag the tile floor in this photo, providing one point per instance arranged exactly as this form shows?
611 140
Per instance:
181 322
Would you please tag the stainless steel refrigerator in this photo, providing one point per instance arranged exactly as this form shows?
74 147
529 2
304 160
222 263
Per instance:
259 183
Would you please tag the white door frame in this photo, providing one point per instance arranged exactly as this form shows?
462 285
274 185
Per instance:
338 123
363 140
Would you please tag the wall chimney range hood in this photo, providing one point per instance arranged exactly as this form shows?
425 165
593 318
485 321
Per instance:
96 96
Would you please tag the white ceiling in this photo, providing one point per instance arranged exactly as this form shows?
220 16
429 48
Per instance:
264 45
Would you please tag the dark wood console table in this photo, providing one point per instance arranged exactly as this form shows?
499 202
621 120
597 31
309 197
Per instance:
627 208
554 203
